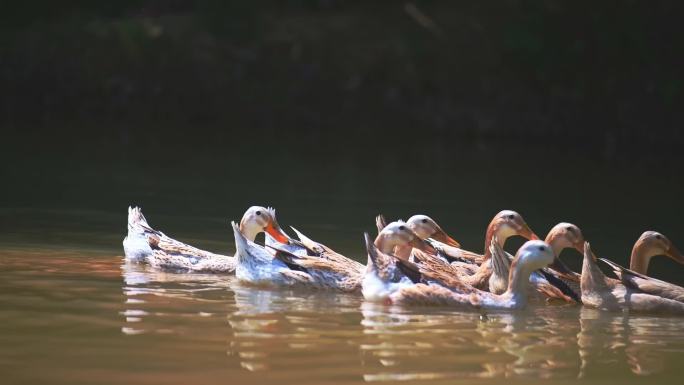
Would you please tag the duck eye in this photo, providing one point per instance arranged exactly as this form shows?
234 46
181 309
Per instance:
542 248
258 213
402 228
511 216
570 229
658 236
424 221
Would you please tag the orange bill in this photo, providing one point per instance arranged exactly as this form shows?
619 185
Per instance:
277 233
443 237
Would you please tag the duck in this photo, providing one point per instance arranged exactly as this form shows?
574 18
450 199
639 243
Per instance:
295 262
388 267
447 247
422 226
649 244
533 255
143 244
546 281
603 293
505 224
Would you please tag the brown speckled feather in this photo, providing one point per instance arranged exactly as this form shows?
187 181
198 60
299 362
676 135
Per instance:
646 284
327 269
452 253
170 254
609 294
435 269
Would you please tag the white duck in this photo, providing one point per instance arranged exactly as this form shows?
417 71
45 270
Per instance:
532 256
144 244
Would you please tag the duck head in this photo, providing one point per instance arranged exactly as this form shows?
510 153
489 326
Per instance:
533 255
506 224
650 244
565 236
258 219
425 227
398 239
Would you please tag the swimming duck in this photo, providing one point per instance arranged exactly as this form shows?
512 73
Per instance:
505 224
425 228
386 272
291 262
547 281
650 244
146 245
609 294
531 256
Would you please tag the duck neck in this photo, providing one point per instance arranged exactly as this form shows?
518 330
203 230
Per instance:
387 245
249 231
493 230
384 244
518 279
556 245
639 260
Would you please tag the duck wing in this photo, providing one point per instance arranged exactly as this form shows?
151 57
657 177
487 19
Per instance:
434 269
249 252
646 284
315 248
455 254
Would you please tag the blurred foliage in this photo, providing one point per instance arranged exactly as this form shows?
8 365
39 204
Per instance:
606 72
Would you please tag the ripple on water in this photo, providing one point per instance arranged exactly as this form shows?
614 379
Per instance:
81 322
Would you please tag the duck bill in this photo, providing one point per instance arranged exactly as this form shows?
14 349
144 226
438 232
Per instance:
277 233
579 246
675 254
443 237
526 232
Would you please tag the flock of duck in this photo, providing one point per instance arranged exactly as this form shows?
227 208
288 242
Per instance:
417 262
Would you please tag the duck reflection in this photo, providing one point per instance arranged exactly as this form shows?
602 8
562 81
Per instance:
288 331
625 342
156 297
276 328
426 343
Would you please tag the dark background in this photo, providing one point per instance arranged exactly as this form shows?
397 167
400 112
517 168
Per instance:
335 110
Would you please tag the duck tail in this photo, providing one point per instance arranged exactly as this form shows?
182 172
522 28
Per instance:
380 222
373 258
136 217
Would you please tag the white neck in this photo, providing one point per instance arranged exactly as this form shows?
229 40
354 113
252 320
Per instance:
250 231
518 279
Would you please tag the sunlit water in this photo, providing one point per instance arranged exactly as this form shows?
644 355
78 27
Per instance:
74 314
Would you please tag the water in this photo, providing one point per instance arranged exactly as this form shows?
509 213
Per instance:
72 312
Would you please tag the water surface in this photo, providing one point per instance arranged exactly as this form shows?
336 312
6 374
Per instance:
73 312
